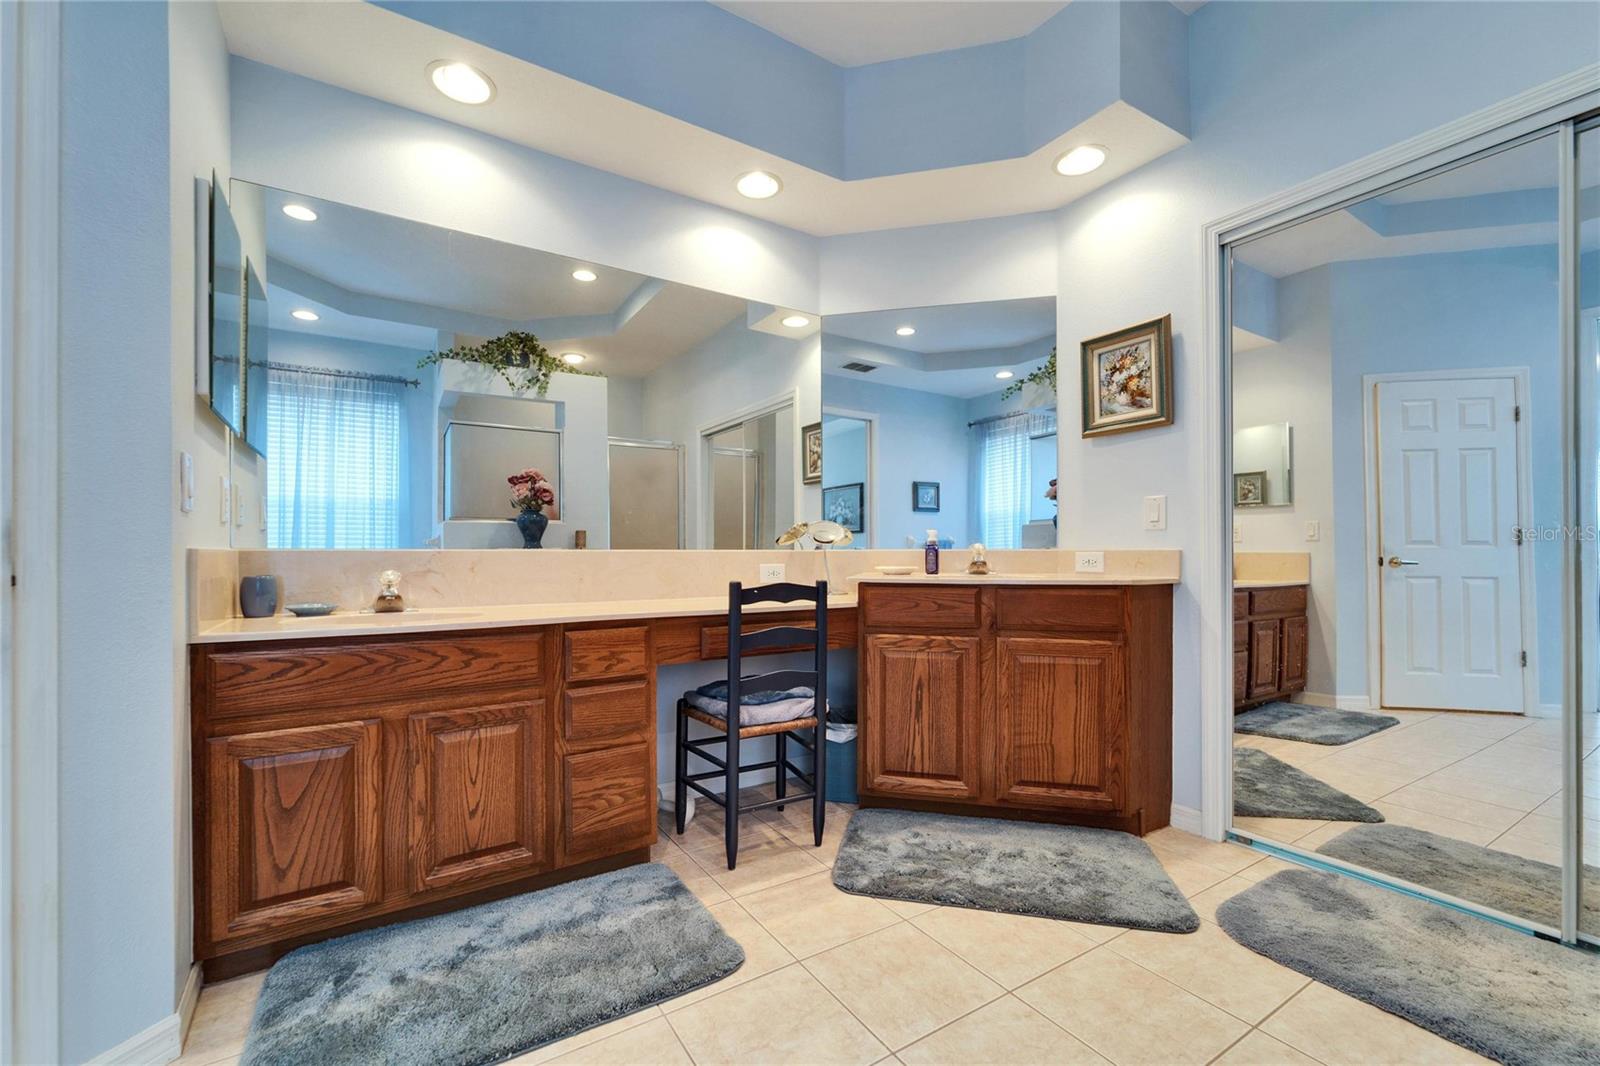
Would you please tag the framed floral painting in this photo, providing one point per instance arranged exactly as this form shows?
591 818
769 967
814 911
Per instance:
811 454
1127 379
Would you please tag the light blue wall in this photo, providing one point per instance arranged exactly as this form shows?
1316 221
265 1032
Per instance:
118 760
922 436
1467 310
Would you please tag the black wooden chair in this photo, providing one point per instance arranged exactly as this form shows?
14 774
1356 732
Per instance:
769 714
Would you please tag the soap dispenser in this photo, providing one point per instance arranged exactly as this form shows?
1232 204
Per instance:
389 599
930 553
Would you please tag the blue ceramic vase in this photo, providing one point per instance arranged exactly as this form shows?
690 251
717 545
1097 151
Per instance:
258 596
532 524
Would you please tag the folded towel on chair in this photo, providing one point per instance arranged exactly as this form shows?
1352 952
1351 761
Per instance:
756 708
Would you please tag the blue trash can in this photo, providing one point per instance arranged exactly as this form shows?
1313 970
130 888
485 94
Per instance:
841 786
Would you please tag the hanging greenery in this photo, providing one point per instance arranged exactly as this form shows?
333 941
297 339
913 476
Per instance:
1044 377
517 357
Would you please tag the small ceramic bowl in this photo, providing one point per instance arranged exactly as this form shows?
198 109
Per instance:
895 571
311 610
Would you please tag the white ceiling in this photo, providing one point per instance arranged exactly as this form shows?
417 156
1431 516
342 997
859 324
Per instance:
378 53
872 31
952 327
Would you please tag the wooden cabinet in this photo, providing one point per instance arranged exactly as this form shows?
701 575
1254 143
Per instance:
1050 702
922 693
1271 634
293 831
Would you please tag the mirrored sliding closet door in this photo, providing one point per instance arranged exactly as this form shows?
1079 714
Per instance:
1402 392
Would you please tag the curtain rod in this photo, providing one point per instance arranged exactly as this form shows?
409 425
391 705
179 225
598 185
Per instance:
294 369
1030 413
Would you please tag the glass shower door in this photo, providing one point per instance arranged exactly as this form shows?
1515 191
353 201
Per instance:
646 493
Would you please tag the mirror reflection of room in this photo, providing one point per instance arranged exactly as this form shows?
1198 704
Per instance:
942 418
1397 661
410 386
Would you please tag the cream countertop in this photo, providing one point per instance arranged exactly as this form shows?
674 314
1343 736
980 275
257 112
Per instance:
503 616
963 578
1264 583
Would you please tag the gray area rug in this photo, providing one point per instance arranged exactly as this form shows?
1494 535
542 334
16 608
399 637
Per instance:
1051 871
1500 993
1495 879
1310 725
482 984
1265 787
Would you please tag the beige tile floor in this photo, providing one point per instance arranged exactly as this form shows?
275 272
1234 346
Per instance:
835 978
1490 779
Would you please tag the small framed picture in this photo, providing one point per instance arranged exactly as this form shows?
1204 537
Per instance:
843 504
924 495
1250 489
1127 379
811 454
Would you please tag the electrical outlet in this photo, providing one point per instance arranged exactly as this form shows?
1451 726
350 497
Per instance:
226 512
185 482
772 572
1238 533
1313 530
1090 562
1155 512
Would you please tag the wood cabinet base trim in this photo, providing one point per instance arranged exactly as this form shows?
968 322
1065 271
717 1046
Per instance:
250 960
1134 822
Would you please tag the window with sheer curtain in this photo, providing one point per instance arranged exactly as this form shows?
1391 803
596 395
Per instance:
335 461
1006 475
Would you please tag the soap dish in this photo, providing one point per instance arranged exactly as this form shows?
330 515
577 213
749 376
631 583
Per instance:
895 571
311 610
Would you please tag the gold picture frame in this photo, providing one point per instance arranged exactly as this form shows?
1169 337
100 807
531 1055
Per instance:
1127 379
811 454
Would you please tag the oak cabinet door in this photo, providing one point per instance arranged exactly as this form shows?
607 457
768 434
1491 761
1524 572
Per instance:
922 701
477 793
1241 676
1264 640
1061 709
292 827
1296 647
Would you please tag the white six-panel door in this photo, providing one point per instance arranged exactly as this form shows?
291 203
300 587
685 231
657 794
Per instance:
1449 578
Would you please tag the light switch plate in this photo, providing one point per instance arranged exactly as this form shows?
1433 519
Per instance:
185 482
1155 512
772 572
1313 530
238 506
226 513
1090 562
1238 533
262 514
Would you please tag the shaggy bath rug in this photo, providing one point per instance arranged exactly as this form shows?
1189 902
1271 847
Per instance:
1052 871
482 984
1264 787
1497 879
1512 997
1310 725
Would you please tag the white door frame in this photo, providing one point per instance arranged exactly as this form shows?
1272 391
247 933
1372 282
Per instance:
1520 377
871 419
30 266
1525 114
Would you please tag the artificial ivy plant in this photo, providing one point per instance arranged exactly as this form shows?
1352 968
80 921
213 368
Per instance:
516 356
1045 377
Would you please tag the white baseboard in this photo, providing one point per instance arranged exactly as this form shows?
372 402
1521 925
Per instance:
1547 710
1342 703
163 1041
1188 819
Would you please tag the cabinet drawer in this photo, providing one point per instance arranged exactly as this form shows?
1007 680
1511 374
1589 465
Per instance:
607 801
272 679
1058 608
598 654
605 711
1241 604
1279 600
714 639
920 608
1241 636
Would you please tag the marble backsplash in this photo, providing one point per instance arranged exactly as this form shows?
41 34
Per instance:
462 578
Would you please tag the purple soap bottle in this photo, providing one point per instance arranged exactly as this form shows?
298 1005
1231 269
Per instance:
930 553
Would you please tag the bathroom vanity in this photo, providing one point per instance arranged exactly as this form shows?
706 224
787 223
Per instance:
342 781
1271 641
1046 698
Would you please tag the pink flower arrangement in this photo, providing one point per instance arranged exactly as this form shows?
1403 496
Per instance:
1050 493
530 491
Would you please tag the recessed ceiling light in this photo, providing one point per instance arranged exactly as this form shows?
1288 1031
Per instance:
572 358
584 274
1003 375
758 185
1081 160
905 331
304 314
300 212
461 82
796 321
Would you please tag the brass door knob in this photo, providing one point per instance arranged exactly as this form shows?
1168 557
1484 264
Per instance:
1395 562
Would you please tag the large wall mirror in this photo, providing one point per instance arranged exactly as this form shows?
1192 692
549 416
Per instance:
942 418
669 416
